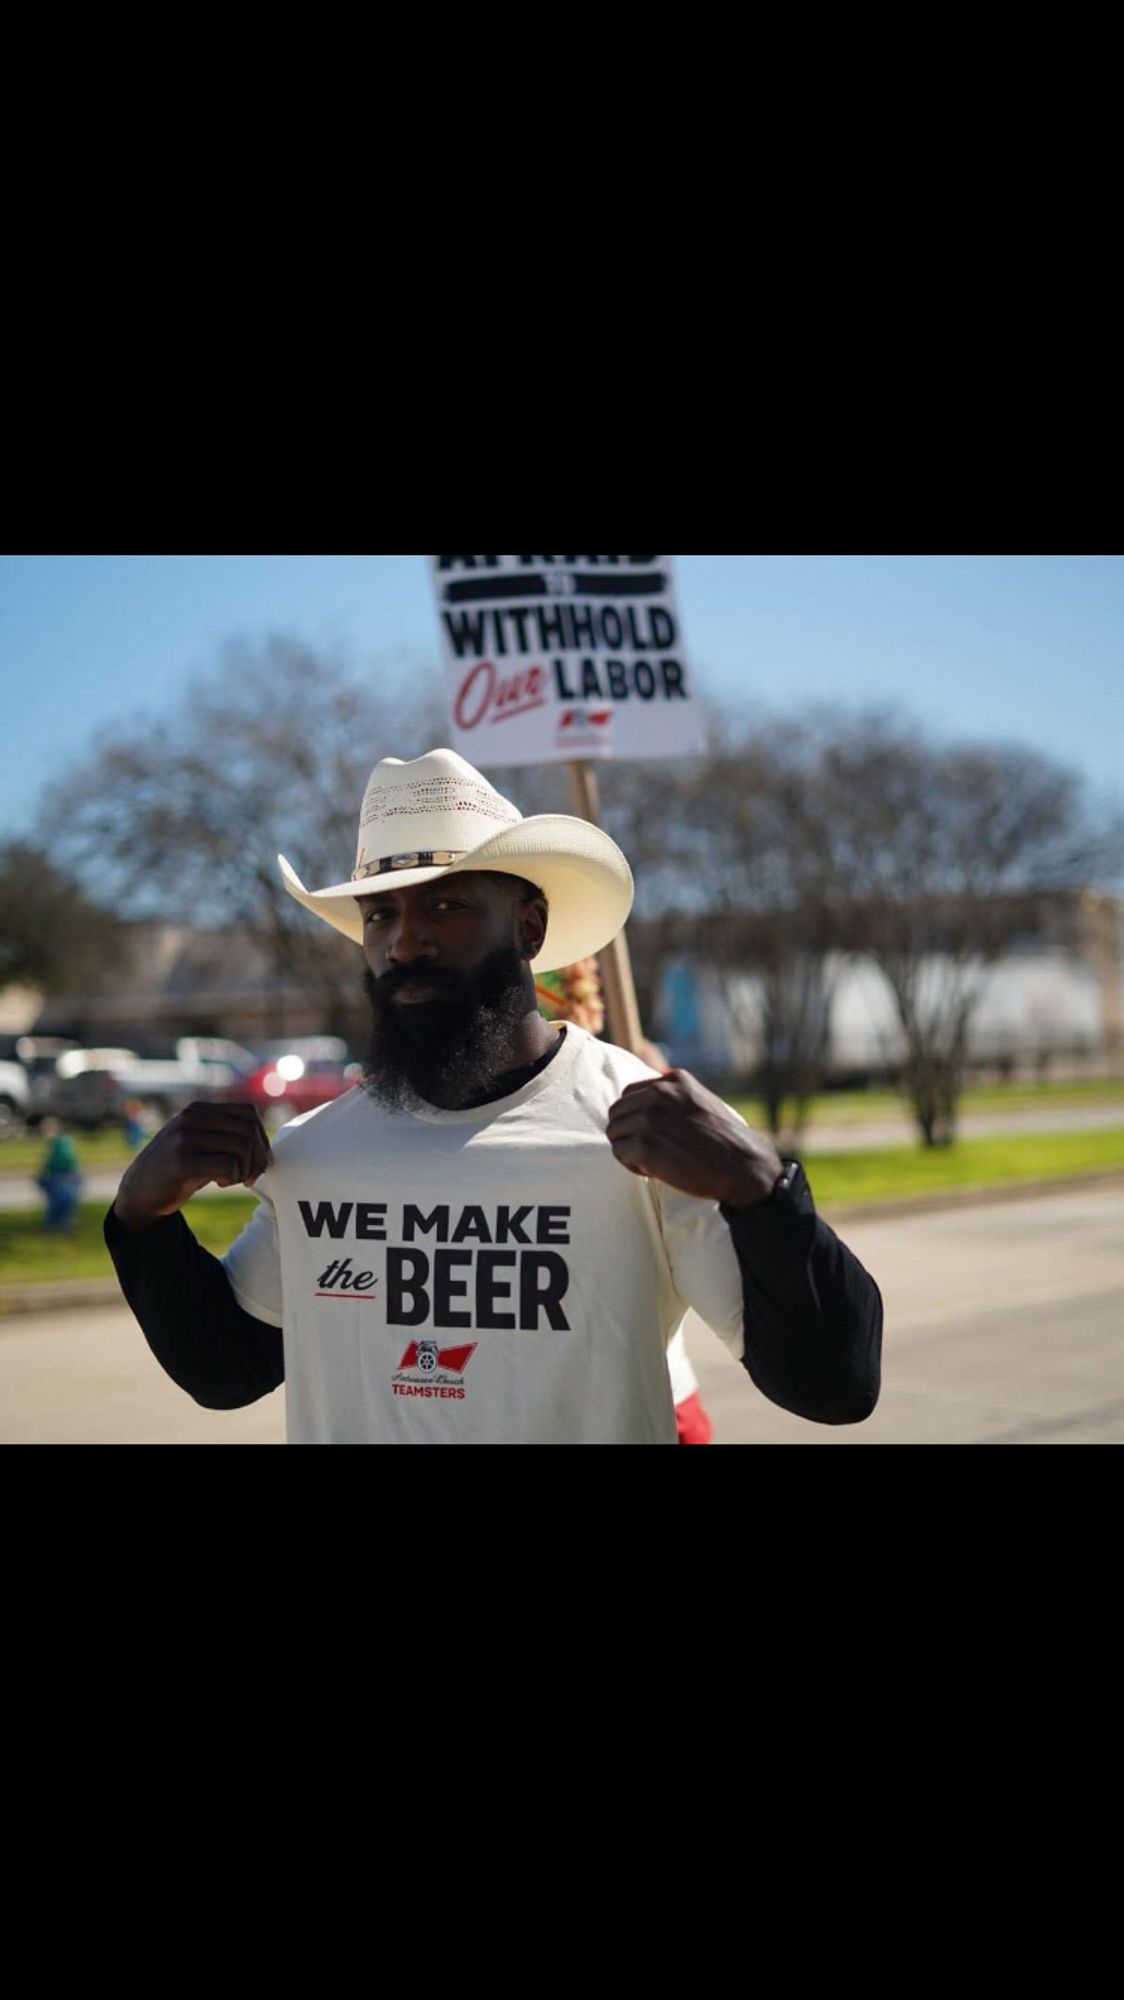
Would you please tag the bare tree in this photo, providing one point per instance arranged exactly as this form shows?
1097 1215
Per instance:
727 872
793 844
183 819
51 935
940 849
773 915
785 1007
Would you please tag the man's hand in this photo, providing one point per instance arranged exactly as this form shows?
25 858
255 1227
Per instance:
671 1129
224 1143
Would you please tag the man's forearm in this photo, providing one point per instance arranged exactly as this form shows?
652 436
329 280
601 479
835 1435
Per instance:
812 1315
181 1297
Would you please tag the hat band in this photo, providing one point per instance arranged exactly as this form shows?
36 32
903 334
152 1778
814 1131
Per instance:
431 858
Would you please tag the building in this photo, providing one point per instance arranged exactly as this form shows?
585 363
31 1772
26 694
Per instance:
173 981
1053 1001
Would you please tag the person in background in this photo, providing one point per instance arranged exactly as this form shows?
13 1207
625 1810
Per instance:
60 1177
132 1117
574 994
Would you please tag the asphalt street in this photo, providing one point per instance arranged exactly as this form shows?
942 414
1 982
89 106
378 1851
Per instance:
1004 1325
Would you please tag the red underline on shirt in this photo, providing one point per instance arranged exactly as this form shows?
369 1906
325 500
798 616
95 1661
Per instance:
349 1298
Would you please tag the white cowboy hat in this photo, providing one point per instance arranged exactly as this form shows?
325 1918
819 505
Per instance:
437 816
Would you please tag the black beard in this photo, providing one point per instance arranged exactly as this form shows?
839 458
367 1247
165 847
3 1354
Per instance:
447 1051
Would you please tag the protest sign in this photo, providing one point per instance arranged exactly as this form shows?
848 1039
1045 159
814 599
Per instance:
557 659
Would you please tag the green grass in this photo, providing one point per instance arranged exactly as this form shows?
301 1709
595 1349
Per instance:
95 1149
28 1255
893 1170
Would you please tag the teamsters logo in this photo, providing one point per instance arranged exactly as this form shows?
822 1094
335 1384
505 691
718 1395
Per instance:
580 728
585 718
427 1369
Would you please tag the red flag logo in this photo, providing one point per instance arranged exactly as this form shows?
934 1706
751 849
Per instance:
426 1355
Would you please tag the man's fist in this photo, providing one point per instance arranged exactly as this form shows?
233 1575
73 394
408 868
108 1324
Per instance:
224 1143
671 1129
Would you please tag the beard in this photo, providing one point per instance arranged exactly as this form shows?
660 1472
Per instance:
449 1050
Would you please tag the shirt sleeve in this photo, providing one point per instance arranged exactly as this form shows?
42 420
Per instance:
791 1302
253 1261
181 1297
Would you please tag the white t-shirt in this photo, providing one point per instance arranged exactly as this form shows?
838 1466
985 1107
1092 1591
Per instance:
491 1276
684 1381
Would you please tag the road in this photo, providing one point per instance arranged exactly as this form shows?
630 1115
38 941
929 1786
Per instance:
1003 1326
85 1376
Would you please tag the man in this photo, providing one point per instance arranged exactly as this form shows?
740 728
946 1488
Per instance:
495 1239
60 1177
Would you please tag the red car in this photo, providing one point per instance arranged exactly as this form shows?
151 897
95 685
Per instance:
290 1084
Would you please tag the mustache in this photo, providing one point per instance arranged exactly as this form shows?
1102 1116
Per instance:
443 978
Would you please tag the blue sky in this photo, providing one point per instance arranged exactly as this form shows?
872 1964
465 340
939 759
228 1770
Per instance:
1023 648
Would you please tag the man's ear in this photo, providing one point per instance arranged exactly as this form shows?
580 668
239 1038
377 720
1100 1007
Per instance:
532 915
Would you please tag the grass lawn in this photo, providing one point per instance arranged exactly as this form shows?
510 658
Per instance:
95 1149
891 1171
29 1256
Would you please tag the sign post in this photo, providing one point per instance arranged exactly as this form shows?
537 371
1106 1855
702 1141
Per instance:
568 660
614 961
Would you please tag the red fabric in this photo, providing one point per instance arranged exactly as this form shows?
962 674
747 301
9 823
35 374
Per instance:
692 1422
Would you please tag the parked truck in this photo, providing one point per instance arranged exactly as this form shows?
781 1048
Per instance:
15 1097
91 1087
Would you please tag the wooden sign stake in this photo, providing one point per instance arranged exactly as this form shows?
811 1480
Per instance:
614 962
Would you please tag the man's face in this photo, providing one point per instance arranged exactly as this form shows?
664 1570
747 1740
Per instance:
448 983
453 923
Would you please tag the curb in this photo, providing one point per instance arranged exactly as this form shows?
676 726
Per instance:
56 1294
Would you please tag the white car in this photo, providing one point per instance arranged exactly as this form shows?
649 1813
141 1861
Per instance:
91 1087
15 1097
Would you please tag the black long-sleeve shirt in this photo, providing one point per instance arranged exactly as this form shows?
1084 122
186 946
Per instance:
812 1314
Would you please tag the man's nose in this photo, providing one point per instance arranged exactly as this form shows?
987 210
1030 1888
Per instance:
409 938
